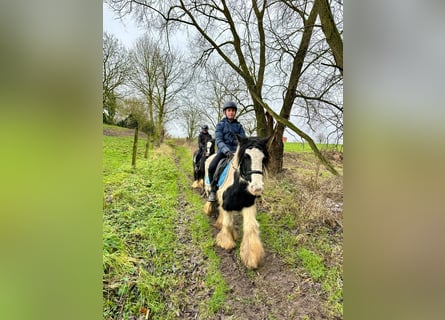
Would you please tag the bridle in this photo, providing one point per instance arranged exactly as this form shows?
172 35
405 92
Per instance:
249 172
244 175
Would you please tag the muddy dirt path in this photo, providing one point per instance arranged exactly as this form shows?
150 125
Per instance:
273 291
193 291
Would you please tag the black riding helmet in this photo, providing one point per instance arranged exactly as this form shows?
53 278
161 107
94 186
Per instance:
205 127
229 104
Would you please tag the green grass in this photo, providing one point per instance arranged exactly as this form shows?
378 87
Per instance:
141 252
305 147
306 254
140 208
312 262
293 224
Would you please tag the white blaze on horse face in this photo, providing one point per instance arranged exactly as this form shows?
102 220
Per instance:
256 185
209 146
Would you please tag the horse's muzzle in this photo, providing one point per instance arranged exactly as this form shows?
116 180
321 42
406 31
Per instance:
255 189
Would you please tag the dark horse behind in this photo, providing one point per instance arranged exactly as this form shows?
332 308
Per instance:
199 159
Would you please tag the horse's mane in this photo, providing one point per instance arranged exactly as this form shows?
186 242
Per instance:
253 142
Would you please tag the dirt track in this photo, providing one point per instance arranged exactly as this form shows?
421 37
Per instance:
273 291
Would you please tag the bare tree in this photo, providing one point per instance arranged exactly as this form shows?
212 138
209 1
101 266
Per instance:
319 100
331 31
191 120
222 85
158 77
115 74
244 35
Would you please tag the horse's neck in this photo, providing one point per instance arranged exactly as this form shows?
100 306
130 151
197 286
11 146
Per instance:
232 169
234 163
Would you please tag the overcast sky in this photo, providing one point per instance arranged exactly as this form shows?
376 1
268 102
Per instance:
125 30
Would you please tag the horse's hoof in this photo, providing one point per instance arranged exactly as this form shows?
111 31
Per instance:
208 208
252 256
195 184
225 241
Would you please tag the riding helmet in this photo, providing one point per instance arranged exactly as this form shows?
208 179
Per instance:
229 104
205 127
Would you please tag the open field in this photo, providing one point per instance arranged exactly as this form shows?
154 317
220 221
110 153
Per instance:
305 147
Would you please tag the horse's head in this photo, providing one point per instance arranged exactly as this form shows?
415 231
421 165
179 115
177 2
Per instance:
210 147
252 157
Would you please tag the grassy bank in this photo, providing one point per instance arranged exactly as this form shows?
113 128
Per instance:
143 252
301 219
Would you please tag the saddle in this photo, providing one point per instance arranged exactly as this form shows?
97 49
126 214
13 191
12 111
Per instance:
220 172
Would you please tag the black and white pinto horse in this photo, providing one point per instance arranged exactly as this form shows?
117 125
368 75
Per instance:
199 163
244 182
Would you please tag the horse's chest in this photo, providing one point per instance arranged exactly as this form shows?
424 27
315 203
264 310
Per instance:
236 198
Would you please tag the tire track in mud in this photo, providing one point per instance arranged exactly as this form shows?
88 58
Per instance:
193 270
193 267
273 291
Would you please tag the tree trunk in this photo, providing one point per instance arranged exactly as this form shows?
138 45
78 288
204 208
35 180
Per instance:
276 146
135 147
276 150
331 32
147 146
261 121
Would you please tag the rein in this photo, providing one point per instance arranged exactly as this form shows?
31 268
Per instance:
248 172
254 171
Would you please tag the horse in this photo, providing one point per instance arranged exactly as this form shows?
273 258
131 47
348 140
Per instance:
199 158
242 185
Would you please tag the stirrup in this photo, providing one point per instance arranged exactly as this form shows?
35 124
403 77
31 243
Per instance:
212 196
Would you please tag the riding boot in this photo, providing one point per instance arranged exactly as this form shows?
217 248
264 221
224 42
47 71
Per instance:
213 187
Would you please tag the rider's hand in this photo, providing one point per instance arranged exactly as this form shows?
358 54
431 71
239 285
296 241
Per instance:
229 154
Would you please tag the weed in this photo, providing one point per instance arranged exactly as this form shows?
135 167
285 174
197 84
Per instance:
296 223
312 263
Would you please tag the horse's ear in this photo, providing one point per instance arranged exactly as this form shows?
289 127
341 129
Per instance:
241 139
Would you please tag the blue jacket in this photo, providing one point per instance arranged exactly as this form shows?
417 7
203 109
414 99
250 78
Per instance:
225 135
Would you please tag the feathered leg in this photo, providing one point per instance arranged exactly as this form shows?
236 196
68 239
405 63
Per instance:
226 237
251 251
